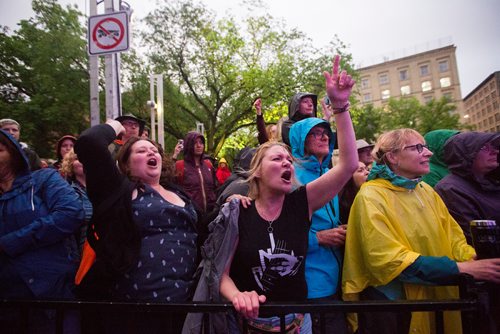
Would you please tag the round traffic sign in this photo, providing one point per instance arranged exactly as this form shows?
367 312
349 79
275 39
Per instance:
108 33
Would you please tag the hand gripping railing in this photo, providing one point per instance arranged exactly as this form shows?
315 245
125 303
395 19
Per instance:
472 304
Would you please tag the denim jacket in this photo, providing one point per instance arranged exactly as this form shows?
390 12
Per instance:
216 253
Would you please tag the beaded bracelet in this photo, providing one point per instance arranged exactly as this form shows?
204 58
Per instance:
345 108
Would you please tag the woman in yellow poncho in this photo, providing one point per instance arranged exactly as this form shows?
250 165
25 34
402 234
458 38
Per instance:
402 242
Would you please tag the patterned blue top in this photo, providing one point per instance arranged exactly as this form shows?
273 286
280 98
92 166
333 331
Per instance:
167 260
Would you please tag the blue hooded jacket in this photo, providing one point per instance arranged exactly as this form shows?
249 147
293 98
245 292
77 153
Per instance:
38 217
323 264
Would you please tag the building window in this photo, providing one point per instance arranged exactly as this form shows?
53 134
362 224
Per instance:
405 90
403 75
443 66
428 98
365 83
426 86
383 79
445 82
367 97
424 70
448 96
386 94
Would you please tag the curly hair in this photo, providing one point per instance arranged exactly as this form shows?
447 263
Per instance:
66 169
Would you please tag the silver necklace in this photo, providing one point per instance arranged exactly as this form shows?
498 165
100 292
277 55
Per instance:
270 228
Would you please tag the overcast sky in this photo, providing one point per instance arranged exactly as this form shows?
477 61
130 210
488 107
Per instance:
372 29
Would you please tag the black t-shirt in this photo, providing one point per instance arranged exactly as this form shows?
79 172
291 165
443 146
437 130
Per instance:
272 264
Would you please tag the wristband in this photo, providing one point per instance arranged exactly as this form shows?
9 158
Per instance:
345 108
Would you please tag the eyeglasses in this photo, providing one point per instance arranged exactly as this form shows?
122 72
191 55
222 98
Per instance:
419 147
318 134
130 123
488 148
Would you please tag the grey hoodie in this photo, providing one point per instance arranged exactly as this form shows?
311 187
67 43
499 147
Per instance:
294 115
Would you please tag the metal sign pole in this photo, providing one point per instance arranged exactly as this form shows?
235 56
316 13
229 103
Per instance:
159 108
151 105
94 78
111 78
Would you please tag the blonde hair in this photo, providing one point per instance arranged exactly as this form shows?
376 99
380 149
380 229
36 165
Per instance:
254 180
279 128
66 169
392 141
269 132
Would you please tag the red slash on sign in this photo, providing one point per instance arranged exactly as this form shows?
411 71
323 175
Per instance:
108 33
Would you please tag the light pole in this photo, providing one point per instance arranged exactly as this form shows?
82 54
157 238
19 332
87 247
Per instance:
157 80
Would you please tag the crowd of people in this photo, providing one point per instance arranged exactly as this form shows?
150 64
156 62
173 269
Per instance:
310 215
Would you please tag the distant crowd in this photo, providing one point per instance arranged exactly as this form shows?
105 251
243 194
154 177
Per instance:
311 214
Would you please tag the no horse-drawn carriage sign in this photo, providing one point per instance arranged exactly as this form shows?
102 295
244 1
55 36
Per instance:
108 33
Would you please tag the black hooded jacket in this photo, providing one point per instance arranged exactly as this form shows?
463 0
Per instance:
467 196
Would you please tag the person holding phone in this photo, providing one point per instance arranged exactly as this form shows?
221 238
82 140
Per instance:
179 147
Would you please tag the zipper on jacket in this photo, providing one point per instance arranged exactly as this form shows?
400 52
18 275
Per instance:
32 195
203 189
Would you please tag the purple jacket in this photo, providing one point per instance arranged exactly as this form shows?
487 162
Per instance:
198 182
467 197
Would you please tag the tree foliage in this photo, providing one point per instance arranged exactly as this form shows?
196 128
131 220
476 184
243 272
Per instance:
215 69
408 112
43 75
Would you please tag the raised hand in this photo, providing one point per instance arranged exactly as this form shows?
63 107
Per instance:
338 85
117 126
258 106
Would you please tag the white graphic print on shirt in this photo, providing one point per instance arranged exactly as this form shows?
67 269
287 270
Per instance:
275 262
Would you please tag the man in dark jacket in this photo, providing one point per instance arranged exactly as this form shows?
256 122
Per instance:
134 127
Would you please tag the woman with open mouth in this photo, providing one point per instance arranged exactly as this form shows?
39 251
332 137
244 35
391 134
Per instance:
143 229
257 247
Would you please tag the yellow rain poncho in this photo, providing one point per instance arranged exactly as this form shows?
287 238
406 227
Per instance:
389 228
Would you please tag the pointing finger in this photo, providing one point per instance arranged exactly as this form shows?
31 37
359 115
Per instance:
335 70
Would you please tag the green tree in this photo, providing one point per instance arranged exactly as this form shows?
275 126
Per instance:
216 68
438 114
400 113
405 112
43 75
367 122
